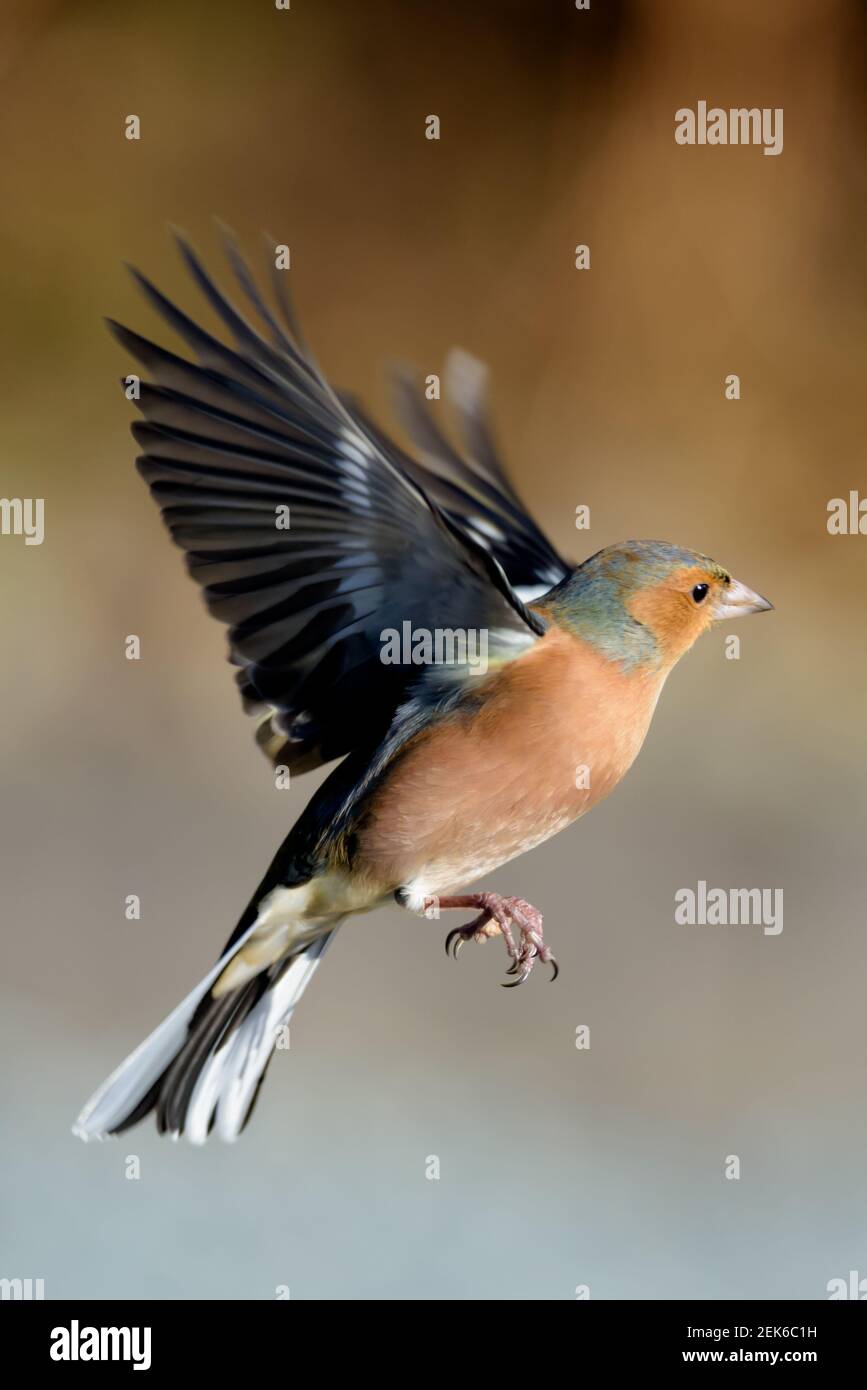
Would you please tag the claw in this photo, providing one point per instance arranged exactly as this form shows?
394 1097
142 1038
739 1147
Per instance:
460 935
494 920
456 932
511 984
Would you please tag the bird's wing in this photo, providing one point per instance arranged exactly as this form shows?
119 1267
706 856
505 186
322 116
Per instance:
471 484
248 438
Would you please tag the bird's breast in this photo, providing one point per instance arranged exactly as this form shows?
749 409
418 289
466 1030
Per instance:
556 731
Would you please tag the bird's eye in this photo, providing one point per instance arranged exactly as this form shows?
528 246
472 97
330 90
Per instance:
699 593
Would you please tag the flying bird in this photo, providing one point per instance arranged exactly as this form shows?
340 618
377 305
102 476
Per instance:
316 539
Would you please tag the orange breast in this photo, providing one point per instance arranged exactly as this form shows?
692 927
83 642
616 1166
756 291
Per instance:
558 729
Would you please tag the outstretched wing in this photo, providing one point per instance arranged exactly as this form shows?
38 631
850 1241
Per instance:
472 486
309 536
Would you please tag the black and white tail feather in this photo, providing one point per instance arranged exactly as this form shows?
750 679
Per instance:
377 538
202 1068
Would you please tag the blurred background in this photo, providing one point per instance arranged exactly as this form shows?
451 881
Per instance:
558 1167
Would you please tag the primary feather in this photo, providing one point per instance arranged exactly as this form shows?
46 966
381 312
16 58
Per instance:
374 538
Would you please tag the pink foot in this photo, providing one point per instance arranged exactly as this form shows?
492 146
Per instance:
497 916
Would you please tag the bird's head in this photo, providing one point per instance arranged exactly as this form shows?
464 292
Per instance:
644 603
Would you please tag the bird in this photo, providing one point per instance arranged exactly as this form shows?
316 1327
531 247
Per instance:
400 616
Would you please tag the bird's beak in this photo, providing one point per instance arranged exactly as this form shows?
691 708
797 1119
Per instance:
736 601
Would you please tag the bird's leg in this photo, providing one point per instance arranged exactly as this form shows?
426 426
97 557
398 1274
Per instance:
497 916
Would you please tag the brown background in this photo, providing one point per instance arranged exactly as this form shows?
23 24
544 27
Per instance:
558 1167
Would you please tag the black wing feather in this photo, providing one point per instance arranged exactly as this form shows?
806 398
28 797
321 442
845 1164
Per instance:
474 486
375 539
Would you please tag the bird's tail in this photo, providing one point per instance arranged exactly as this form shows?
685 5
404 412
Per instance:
201 1069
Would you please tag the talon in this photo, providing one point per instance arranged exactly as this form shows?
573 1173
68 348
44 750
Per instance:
456 932
470 931
496 918
512 984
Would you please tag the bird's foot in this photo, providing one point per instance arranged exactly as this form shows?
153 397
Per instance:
497 916
528 919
